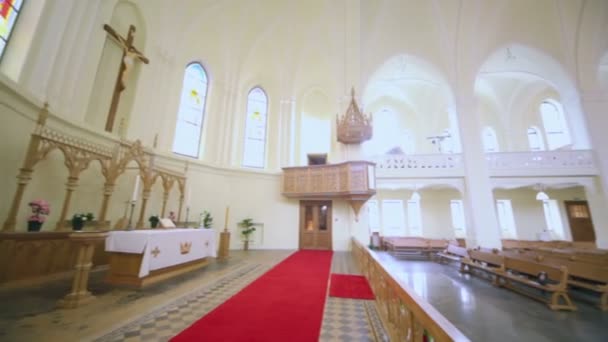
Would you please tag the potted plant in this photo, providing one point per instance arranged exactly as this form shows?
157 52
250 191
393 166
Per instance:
248 228
79 219
40 208
154 221
207 220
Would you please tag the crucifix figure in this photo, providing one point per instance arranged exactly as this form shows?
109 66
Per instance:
129 54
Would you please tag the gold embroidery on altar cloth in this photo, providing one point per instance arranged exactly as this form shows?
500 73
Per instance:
184 248
155 251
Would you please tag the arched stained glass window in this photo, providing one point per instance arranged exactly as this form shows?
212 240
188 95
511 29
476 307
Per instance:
189 124
555 125
9 11
490 142
254 153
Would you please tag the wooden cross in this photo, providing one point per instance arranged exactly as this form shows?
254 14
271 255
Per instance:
129 54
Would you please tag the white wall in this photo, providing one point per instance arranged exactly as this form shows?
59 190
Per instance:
434 205
528 212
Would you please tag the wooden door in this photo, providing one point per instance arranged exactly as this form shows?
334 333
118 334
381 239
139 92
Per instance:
315 225
579 218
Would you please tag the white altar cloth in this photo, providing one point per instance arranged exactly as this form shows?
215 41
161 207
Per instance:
163 248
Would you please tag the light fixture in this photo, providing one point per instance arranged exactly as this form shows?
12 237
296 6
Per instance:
541 195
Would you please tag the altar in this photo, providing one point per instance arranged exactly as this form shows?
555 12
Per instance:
143 257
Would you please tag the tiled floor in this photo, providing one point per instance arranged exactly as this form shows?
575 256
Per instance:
163 310
350 319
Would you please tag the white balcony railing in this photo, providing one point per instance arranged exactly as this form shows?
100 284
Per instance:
549 163
419 165
501 164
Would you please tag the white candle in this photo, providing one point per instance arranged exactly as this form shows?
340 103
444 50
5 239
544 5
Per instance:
226 220
135 189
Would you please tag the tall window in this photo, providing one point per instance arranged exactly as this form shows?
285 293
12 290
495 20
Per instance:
386 134
458 222
505 219
393 218
490 142
446 145
555 125
374 217
552 218
9 11
189 124
255 129
535 139
414 219
407 143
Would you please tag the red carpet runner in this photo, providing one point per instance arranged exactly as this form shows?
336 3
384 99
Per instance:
284 304
350 286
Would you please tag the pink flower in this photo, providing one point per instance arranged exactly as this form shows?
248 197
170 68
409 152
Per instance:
40 208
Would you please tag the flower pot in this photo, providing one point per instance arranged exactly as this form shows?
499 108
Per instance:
154 224
77 225
34 226
246 245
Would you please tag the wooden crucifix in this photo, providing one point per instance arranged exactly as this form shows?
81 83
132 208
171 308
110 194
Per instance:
129 54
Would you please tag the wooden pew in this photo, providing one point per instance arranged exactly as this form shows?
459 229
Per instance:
591 278
491 263
581 274
407 246
452 252
527 272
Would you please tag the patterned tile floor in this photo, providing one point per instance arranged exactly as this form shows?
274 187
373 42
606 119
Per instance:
147 315
350 319
167 321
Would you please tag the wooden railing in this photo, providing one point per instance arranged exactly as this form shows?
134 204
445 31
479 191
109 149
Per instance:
353 178
39 256
405 315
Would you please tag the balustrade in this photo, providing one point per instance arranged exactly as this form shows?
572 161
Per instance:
406 316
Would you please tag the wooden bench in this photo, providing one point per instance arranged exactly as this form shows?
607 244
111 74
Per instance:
581 274
452 252
527 273
491 263
591 278
408 246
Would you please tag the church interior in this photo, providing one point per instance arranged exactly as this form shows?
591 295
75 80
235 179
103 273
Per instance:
321 170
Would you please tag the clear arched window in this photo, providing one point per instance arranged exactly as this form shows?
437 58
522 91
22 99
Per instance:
535 139
255 128
189 126
386 134
407 142
490 142
9 11
554 122
446 143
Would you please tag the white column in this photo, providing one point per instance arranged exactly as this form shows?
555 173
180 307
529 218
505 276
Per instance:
482 223
46 47
595 105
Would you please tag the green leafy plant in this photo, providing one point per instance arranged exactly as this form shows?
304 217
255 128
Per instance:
247 228
154 220
207 219
79 219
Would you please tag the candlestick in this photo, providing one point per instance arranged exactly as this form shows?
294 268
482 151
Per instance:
188 196
226 219
135 189
187 213
130 224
